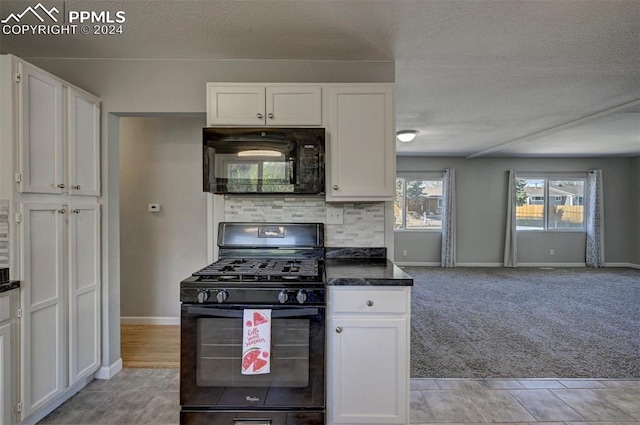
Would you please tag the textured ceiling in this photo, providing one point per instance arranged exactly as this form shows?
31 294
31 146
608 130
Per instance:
474 77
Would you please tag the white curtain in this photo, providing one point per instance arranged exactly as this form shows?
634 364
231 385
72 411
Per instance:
448 253
595 220
510 240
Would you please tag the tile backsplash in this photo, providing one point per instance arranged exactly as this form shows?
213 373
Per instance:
363 223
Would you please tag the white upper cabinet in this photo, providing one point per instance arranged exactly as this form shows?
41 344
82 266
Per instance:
83 138
40 132
258 105
58 147
361 143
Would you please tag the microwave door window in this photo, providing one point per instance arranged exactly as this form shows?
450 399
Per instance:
242 177
257 175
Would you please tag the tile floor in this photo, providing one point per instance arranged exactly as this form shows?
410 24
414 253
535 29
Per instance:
150 396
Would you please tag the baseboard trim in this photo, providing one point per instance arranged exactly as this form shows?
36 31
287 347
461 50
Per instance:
479 265
433 264
552 265
149 320
628 265
108 372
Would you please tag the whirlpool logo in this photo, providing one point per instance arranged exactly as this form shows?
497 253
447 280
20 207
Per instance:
252 399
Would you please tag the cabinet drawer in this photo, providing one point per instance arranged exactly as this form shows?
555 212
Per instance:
5 308
369 301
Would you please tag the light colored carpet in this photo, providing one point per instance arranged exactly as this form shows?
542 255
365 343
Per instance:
525 323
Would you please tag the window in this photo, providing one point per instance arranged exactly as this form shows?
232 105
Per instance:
418 204
563 211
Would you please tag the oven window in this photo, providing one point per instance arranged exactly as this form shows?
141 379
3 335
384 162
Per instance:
219 354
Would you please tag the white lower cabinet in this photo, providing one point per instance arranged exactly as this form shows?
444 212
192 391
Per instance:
368 355
60 302
7 360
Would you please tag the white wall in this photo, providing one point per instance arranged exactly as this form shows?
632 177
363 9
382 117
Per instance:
481 185
634 195
139 87
158 164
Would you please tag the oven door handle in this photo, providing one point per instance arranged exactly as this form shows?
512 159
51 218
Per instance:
237 314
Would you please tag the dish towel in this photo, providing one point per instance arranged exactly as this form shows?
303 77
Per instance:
256 342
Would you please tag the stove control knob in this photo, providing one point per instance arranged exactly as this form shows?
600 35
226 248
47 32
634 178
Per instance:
283 296
222 296
301 296
203 295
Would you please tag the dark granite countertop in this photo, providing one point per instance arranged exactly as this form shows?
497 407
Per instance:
363 271
8 286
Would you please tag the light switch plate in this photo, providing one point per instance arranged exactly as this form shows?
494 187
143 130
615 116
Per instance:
153 207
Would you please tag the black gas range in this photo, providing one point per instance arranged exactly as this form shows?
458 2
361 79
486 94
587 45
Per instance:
273 266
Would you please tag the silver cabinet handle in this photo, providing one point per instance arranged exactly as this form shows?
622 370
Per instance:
339 329
61 185
270 115
62 211
370 303
259 115
76 187
335 187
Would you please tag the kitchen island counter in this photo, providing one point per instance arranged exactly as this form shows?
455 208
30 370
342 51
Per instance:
362 270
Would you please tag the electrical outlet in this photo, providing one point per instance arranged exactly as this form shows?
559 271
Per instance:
552 252
404 252
335 215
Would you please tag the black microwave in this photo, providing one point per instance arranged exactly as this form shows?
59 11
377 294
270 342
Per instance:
263 160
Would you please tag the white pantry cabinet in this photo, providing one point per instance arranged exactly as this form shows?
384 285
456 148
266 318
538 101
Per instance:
58 135
60 298
361 142
259 105
8 308
50 174
368 355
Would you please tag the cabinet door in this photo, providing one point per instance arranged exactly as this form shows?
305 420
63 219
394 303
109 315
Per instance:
84 290
83 143
361 144
43 367
40 133
367 370
295 105
6 370
235 105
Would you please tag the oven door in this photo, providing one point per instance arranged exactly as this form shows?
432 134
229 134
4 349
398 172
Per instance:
211 358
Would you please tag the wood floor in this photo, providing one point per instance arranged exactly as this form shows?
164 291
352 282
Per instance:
150 346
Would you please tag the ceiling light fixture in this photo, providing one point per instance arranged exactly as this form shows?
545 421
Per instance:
405 136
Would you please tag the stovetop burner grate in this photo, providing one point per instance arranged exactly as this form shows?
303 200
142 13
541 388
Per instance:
230 269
